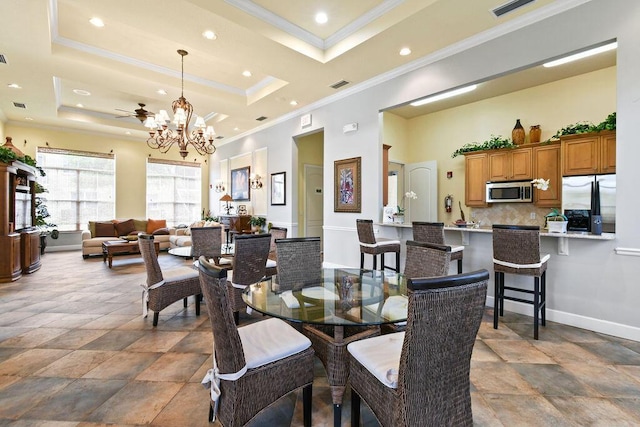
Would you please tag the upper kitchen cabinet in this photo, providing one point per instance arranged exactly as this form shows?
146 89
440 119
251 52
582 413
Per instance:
510 165
476 175
588 154
546 165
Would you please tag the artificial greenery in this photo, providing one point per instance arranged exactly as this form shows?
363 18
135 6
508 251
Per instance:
555 215
257 221
587 127
42 213
7 156
491 144
208 216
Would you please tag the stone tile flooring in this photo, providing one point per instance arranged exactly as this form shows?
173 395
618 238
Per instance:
75 351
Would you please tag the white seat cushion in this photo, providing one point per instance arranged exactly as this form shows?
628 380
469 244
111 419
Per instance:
271 263
180 273
457 248
380 242
543 258
380 356
317 292
225 261
269 340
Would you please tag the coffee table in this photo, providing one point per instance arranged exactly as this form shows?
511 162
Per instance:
122 247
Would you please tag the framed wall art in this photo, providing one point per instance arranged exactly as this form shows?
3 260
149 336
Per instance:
279 188
240 189
347 193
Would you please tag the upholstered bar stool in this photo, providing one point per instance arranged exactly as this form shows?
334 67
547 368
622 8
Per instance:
433 232
370 245
516 250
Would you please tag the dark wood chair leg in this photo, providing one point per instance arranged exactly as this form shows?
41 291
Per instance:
236 317
496 298
536 306
355 409
155 318
198 304
375 262
543 302
185 303
337 415
398 262
210 412
307 393
501 294
361 260
459 266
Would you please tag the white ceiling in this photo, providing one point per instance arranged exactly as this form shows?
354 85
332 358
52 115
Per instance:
51 49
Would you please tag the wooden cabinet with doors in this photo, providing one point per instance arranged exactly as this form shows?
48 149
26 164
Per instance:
475 179
589 153
510 164
546 165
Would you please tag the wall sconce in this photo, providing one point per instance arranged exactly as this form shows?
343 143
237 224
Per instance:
255 182
219 186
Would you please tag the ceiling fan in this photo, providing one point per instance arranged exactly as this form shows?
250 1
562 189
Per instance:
139 113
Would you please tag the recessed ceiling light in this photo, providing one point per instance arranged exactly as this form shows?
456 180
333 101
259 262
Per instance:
28 118
14 86
209 35
293 103
96 22
405 51
580 55
444 95
81 92
236 129
246 73
127 133
321 18
79 105
161 92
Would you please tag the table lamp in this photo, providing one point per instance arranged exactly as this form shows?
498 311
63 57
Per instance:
226 198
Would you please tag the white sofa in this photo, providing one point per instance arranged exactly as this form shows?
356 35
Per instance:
98 232
182 236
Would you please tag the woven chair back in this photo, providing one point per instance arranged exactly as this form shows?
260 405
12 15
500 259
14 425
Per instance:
365 231
228 347
430 232
299 262
426 260
250 258
150 258
444 316
276 233
206 241
518 244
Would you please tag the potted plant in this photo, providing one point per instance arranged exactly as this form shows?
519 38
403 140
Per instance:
556 221
257 222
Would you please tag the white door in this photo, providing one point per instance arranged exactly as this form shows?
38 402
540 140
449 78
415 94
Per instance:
421 178
313 201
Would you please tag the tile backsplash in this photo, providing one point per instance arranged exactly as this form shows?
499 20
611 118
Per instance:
509 213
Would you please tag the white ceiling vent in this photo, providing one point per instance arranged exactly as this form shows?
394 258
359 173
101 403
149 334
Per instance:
19 105
3 60
510 7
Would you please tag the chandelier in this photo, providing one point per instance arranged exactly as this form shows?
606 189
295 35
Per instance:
162 138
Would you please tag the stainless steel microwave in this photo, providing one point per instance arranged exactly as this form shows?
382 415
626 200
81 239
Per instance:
509 192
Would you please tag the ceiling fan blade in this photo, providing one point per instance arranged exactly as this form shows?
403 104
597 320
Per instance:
126 115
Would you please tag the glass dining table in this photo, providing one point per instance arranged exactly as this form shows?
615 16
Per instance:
340 306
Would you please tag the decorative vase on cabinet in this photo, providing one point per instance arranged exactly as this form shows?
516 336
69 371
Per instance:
534 133
518 133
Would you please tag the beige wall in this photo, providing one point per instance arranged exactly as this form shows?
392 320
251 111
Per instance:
589 97
130 155
395 132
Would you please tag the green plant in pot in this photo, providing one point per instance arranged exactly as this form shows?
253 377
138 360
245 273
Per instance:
257 222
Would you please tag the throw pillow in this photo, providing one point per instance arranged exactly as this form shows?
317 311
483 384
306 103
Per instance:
123 228
140 224
154 224
105 229
161 232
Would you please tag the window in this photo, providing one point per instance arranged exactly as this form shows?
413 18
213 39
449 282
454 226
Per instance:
174 191
80 185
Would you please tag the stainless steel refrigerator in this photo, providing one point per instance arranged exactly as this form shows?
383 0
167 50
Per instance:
576 201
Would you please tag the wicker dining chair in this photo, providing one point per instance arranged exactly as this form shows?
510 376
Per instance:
299 263
253 365
516 250
433 232
163 288
249 266
369 244
423 260
207 241
272 260
420 377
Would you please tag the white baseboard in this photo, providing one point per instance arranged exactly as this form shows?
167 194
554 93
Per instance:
597 325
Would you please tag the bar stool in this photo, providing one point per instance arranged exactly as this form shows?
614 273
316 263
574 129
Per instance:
370 245
433 232
516 250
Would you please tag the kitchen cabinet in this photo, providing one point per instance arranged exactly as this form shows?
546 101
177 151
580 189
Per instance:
589 153
546 165
510 165
475 179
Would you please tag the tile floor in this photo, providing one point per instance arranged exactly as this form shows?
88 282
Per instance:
75 351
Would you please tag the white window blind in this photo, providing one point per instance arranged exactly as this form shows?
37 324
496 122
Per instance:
174 191
81 186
